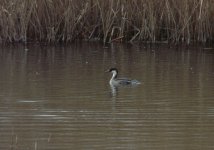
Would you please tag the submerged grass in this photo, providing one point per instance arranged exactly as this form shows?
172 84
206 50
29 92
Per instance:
106 20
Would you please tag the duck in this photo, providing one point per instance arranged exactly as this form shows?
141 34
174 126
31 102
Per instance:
120 81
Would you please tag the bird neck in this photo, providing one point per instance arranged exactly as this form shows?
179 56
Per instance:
114 75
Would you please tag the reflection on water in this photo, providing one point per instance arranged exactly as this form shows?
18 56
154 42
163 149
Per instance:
60 98
114 90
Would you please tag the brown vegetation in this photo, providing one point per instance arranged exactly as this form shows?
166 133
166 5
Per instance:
107 20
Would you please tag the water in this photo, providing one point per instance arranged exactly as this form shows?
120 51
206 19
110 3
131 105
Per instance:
58 97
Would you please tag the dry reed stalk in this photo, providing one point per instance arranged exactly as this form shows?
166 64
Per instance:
108 13
109 20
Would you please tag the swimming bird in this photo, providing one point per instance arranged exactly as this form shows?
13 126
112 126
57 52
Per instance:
120 81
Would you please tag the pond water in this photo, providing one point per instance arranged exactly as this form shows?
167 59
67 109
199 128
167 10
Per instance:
59 97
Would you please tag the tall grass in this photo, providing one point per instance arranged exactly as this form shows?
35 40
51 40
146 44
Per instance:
107 20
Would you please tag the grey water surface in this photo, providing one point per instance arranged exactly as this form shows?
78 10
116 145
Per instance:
58 97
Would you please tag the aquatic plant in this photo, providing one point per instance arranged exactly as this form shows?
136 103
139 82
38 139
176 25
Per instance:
110 20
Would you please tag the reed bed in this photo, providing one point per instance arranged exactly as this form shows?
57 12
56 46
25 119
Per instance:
106 20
